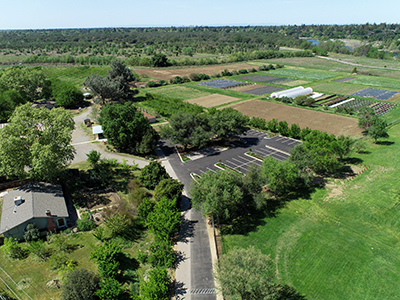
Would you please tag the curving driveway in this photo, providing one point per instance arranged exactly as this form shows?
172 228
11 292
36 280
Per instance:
83 145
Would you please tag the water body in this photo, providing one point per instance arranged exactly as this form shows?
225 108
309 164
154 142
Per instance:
313 42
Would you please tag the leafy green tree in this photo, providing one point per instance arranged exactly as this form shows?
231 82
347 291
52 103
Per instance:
302 159
359 145
106 256
66 94
294 131
145 208
159 60
366 117
85 224
283 128
220 193
123 125
104 88
187 129
152 174
149 141
163 221
25 80
228 122
162 254
93 158
281 176
170 188
245 274
117 224
9 100
80 284
344 145
36 143
156 285
273 125
110 289
122 76
378 130
31 232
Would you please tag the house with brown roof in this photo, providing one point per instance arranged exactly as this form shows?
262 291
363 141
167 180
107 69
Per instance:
36 202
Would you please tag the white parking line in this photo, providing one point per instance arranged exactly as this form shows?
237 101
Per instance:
294 142
210 169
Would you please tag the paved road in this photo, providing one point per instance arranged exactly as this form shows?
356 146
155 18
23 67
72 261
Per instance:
83 145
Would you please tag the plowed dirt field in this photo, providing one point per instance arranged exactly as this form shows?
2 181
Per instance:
305 118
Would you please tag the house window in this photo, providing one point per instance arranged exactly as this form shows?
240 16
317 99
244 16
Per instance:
61 222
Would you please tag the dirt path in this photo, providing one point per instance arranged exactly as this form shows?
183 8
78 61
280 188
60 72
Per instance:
355 64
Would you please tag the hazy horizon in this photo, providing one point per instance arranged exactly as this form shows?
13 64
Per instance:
46 14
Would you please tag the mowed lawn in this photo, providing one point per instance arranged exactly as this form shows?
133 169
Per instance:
344 241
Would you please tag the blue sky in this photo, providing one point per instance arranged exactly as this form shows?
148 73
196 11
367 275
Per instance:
39 14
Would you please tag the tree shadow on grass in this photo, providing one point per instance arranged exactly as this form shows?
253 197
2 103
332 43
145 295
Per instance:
385 143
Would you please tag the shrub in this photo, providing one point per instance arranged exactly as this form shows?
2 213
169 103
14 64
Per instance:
283 128
57 260
226 73
259 123
194 77
85 224
204 77
151 84
243 71
12 249
80 284
39 249
145 208
31 232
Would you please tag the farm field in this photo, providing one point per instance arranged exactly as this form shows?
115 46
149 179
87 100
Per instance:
341 242
332 124
178 92
372 66
305 74
212 100
337 88
389 83
168 73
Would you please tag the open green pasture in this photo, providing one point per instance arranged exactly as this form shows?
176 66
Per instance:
374 81
77 75
343 241
305 74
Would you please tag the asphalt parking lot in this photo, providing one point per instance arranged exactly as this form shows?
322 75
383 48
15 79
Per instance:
278 147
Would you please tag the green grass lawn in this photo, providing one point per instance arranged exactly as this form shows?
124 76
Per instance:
342 242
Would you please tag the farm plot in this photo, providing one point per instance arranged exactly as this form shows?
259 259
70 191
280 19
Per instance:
380 108
264 78
336 88
344 79
332 124
212 100
292 82
375 93
179 92
380 82
304 74
220 83
263 90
